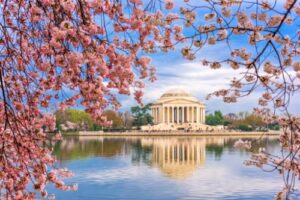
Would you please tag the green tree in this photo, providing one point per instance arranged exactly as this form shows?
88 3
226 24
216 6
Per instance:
247 121
215 119
77 117
245 127
74 116
127 119
274 127
141 115
117 121
254 121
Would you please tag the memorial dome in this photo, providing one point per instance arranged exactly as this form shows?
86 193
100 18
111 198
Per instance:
177 94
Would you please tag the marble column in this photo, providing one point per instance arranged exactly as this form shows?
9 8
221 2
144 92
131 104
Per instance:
177 113
157 115
196 109
187 114
198 114
184 115
153 110
168 114
193 114
201 112
163 114
180 114
181 118
172 114
203 115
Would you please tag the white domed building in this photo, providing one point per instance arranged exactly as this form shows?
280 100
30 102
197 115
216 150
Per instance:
179 109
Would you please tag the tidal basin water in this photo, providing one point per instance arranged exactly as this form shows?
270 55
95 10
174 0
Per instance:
164 168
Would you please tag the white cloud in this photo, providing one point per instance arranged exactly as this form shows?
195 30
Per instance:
213 180
198 80
109 175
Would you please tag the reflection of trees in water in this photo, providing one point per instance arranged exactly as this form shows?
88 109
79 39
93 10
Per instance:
270 143
140 153
149 150
215 146
215 150
72 148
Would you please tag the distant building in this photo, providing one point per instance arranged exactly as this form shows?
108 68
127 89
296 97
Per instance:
231 116
179 109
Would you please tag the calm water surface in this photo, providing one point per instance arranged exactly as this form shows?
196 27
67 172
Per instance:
163 168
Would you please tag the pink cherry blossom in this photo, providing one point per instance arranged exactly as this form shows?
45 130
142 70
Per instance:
169 4
51 47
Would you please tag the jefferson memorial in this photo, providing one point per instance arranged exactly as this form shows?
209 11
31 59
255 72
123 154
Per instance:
178 108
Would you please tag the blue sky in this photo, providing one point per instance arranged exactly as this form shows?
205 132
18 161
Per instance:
173 71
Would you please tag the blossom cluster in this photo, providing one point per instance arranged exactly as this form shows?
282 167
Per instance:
242 144
263 45
269 58
62 53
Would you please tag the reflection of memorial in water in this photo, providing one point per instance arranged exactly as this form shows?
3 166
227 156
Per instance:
177 158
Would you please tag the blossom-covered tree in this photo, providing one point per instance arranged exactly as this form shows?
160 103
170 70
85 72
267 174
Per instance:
261 40
63 53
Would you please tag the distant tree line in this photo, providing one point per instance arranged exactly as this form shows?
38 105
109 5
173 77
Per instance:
140 115
77 120
244 121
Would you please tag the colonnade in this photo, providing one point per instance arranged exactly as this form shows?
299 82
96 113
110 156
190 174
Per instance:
178 114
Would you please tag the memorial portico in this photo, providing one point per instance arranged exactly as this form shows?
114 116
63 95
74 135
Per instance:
178 107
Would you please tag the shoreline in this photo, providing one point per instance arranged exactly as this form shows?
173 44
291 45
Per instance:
173 133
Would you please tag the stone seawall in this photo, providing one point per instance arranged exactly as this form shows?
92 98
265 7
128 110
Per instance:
175 133
90 133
